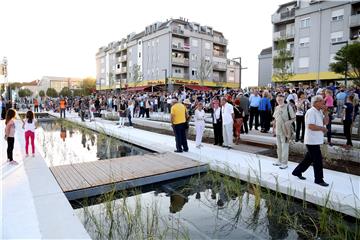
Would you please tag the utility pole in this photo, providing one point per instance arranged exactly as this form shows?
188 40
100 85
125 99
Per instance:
240 70
166 79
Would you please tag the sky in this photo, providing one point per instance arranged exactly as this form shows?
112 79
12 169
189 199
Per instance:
61 37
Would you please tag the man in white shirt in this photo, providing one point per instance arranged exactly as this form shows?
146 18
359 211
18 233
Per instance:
315 119
227 112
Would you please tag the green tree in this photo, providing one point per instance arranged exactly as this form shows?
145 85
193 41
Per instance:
88 86
348 55
42 93
78 92
25 92
282 63
65 92
204 71
136 74
51 92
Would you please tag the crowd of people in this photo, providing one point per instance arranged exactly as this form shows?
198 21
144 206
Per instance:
294 114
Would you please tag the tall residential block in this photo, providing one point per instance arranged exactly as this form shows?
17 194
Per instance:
314 31
187 53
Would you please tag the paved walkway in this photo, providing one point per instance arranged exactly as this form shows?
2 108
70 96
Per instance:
343 192
32 204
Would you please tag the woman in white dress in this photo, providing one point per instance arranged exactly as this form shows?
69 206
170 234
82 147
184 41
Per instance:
199 124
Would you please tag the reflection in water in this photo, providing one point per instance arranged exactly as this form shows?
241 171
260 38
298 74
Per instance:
67 144
201 209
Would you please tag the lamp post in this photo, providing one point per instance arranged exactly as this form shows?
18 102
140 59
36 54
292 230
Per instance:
346 60
166 79
241 68
6 82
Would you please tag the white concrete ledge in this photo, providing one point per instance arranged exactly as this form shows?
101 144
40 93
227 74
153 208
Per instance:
343 193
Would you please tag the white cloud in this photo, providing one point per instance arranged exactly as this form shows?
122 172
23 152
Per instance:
61 37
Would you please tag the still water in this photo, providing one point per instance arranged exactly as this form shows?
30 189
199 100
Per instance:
65 143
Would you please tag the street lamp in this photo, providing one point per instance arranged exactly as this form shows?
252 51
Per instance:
166 78
241 68
346 60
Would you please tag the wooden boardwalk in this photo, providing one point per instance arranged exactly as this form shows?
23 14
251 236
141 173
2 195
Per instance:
93 178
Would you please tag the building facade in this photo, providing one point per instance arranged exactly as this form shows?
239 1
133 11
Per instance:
183 52
58 83
265 67
314 31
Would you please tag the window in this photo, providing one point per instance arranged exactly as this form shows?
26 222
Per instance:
207 45
118 66
303 62
193 57
194 72
332 58
304 42
177 70
336 37
337 15
194 42
130 63
305 22
139 54
139 43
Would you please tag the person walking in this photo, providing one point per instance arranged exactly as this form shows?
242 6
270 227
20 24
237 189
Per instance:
199 124
284 116
244 104
178 115
315 119
254 102
227 113
217 122
265 112
302 105
36 105
92 110
348 120
29 126
10 134
82 109
62 107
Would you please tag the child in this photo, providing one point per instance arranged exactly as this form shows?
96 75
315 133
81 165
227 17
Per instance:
29 125
10 134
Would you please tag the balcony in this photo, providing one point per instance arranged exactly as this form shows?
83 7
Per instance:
180 61
355 20
118 71
180 75
284 16
219 67
123 58
220 40
277 52
123 70
284 35
219 54
184 48
219 79
180 32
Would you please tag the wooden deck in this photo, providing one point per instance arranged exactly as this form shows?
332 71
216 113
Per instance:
93 178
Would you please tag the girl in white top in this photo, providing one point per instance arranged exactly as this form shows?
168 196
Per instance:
29 125
199 124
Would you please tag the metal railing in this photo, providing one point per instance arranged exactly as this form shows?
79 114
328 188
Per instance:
184 61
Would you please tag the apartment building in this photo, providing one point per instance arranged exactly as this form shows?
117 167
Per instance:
315 30
186 53
58 83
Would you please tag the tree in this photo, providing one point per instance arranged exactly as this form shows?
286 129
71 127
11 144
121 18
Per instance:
42 93
205 69
282 63
51 92
65 92
137 76
348 55
25 92
78 92
88 85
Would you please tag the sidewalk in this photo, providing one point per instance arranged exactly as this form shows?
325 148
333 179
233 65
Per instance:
343 191
33 205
